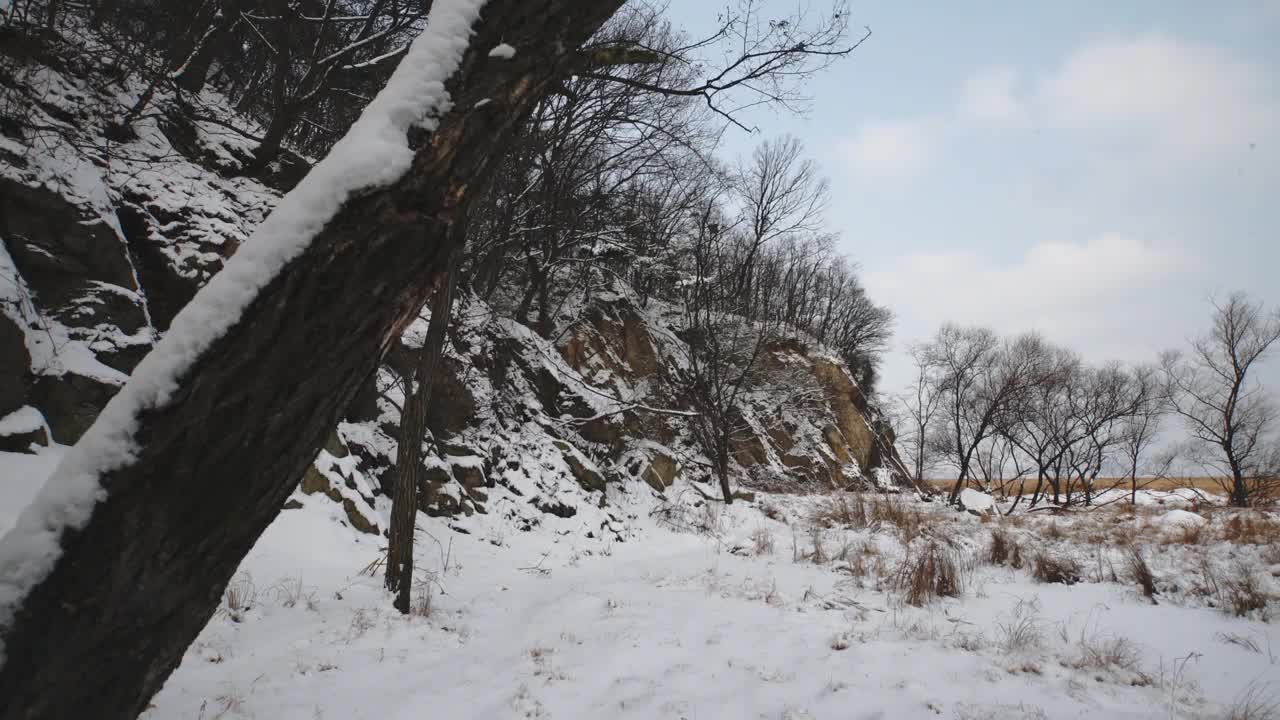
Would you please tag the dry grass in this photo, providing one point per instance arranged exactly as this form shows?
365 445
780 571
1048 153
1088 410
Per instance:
931 574
762 541
843 511
240 596
1141 573
1023 631
856 511
1250 528
1242 594
1203 484
1107 653
998 551
1256 702
1048 569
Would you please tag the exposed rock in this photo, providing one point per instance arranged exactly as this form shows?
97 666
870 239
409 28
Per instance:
748 450
469 476
15 366
850 409
588 478
452 404
21 429
60 248
357 517
70 403
557 508
660 473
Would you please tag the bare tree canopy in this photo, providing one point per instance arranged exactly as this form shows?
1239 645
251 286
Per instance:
1227 413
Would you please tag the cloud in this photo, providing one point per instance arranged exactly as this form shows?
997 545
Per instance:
1090 295
989 96
887 150
1176 100
1197 98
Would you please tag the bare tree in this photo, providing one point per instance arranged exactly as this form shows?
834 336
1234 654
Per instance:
919 406
1227 413
980 377
754 60
724 351
407 473
1140 430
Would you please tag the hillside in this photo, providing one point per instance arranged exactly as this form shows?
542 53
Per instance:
105 239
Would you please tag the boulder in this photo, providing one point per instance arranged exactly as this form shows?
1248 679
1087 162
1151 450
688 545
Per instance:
660 473
21 429
70 403
15 366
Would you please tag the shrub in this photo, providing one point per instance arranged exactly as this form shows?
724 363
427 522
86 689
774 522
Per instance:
933 573
1048 569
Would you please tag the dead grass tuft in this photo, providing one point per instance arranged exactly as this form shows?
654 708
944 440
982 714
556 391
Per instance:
1243 594
240 596
1141 573
1255 702
1048 569
998 552
1023 631
1250 528
762 541
1107 653
933 573
843 512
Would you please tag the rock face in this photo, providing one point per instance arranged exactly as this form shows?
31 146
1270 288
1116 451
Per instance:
97 258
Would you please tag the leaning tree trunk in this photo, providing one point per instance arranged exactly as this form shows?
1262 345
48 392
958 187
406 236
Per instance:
217 457
413 426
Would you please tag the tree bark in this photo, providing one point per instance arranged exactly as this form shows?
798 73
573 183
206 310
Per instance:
131 589
413 427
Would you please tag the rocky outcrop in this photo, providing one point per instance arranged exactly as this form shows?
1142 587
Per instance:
98 258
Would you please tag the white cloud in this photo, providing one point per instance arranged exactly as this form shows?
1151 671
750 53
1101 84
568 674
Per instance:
989 96
1093 295
883 150
1184 96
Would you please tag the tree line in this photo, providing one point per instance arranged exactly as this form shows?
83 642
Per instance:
1022 416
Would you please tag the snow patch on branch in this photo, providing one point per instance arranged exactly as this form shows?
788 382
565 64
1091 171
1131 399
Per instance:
503 51
374 153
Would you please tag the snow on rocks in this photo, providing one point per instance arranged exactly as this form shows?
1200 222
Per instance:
375 152
1176 519
976 501
503 51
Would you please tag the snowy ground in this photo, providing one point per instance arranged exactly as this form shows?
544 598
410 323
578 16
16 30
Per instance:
710 624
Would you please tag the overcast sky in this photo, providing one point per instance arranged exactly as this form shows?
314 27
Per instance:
1092 170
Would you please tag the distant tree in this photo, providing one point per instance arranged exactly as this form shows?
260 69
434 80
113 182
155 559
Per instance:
1140 430
980 378
1225 410
918 406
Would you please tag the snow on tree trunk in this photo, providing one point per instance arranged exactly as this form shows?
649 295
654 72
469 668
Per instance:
123 557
